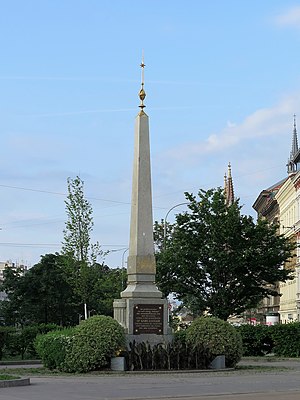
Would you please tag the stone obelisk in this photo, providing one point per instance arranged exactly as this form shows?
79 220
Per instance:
141 310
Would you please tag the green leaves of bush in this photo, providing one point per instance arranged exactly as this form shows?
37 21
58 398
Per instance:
95 340
87 347
283 340
215 337
257 339
53 346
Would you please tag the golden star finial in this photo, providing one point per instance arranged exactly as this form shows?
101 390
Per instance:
142 93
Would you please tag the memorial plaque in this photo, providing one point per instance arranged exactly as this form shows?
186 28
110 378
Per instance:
148 318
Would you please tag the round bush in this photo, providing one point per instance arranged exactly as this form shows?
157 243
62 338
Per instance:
216 337
94 341
52 347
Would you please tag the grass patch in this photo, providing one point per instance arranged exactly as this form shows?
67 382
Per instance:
261 368
31 371
6 377
272 358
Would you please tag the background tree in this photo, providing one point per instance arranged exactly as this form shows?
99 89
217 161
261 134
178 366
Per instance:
77 246
41 295
162 234
44 294
10 308
219 260
106 285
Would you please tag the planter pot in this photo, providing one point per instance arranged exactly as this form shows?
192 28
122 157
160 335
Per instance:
218 362
118 364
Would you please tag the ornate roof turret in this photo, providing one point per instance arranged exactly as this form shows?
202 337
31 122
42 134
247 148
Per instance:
292 164
295 139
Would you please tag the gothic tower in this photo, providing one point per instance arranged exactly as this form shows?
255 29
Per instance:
228 187
292 164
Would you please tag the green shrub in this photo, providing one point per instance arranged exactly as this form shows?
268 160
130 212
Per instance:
215 337
286 339
21 341
52 347
257 339
166 355
94 341
5 332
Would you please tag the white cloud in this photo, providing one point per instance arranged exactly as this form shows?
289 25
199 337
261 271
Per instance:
273 121
231 124
290 18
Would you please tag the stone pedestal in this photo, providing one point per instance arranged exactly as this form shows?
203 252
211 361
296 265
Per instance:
144 319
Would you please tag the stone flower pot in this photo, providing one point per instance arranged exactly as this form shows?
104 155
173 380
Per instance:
118 363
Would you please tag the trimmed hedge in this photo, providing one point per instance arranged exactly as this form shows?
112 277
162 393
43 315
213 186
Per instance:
286 339
53 346
215 337
257 339
86 347
283 339
94 342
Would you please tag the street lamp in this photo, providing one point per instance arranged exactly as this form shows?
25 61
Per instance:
123 259
165 220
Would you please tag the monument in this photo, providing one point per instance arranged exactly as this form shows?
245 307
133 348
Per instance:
141 310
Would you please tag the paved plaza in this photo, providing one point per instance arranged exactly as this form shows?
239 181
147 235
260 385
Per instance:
276 384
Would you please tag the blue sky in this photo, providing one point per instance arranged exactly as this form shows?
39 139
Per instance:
222 80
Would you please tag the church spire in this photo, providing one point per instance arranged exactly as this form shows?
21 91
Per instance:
292 166
295 140
229 192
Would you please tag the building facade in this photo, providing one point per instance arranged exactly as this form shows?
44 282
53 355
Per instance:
280 203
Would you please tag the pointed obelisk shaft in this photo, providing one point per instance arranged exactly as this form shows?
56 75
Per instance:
141 267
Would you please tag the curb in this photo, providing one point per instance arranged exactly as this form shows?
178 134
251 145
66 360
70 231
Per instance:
15 382
21 362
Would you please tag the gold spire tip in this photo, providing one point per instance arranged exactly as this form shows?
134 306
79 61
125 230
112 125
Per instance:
142 93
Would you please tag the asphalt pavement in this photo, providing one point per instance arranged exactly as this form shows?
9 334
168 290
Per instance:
280 383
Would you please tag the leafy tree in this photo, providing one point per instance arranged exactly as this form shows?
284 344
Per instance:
221 261
10 313
106 285
162 234
77 246
41 295
79 226
44 294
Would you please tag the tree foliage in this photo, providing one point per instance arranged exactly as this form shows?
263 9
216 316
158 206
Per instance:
162 234
79 225
77 246
44 294
103 285
219 260
41 295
